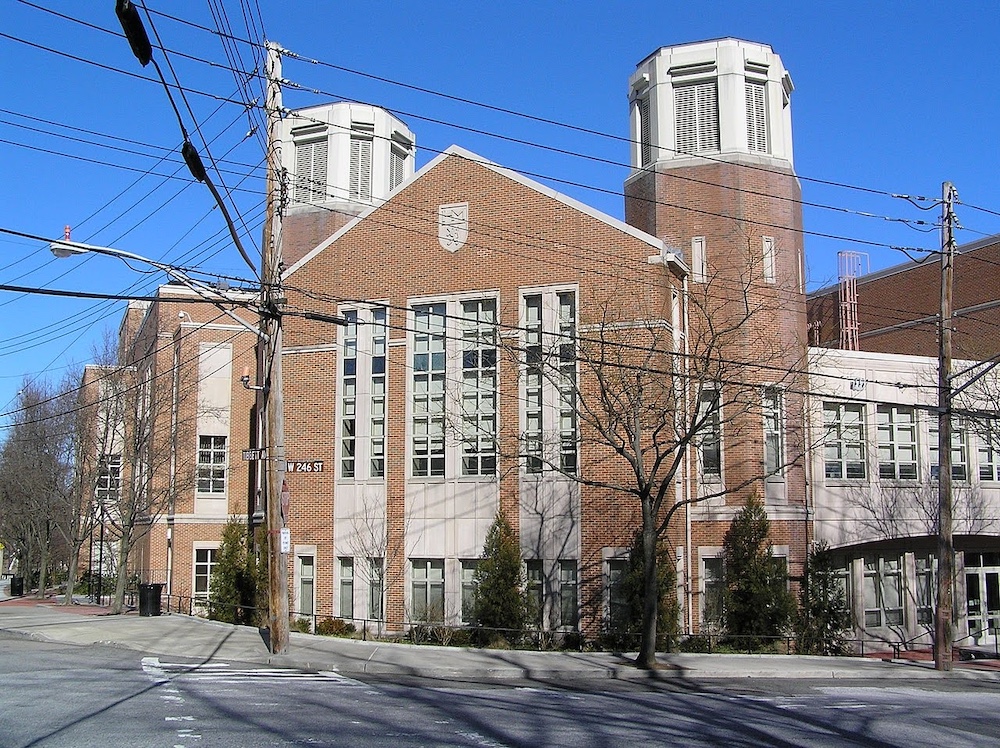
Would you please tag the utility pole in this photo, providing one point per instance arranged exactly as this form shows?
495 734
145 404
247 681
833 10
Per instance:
943 637
270 346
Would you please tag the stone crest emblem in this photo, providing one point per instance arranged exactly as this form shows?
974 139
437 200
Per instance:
453 225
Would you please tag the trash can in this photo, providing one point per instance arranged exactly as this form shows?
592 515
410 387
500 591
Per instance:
149 599
17 586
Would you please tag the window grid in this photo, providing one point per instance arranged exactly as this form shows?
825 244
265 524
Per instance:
926 566
536 588
375 587
617 601
710 443
109 480
479 387
429 365
959 452
567 383
204 563
897 442
376 409
774 457
844 445
211 464
533 383
988 450
307 580
883 591
468 591
348 397
714 590
428 590
697 109
568 594
346 587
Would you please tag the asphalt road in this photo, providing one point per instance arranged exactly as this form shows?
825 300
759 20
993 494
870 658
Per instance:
59 695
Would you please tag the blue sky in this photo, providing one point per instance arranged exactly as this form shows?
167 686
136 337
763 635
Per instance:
891 97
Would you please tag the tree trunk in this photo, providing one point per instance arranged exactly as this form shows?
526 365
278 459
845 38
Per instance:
71 572
650 597
121 578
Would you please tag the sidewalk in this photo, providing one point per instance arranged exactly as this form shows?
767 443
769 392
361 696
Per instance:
178 636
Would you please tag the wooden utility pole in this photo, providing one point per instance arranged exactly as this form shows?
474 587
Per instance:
273 400
943 635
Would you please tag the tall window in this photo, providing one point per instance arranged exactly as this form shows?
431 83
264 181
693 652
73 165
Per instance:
428 590
756 117
959 452
769 259
926 566
346 587
697 109
710 439
307 581
550 381
844 445
362 394
645 132
988 435
699 259
568 593
468 591
375 587
617 600
349 396
429 365
536 588
774 457
109 480
714 586
883 591
897 442
479 387
311 158
211 464
204 562
361 162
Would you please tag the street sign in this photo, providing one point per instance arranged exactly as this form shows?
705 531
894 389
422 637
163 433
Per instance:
286 540
249 455
304 466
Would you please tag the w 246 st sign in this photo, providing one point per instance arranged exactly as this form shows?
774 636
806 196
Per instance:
304 466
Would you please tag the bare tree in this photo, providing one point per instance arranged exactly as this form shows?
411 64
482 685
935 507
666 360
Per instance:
651 397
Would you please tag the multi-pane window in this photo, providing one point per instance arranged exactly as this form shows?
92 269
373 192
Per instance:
774 457
959 452
533 383
311 158
204 562
550 382
349 396
568 593
468 591
926 566
109 480
844 443
479 387
536 588
756 117
361 162
988 435
307 582
897 442
714 585
428 590
645 132
710 434
567 382
697 109
429 367
375 587
883 591
618 603
362 394
211 464
346 587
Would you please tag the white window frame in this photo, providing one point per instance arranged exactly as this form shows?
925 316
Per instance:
844 438
362 394
305 581
769 259
427 590
712 588
709 433
211 475
896 442
987 449
108 489
203 569
345 587
773 421
569 594
959 450
696 122
312 154
699 259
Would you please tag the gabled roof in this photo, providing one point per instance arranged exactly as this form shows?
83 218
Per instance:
457 151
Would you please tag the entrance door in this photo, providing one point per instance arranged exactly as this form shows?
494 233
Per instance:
982 585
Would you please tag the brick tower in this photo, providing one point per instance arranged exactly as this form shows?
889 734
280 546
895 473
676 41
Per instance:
712 177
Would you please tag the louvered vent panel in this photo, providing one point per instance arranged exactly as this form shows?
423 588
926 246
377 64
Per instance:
708 117
756 118
645 133
686 127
